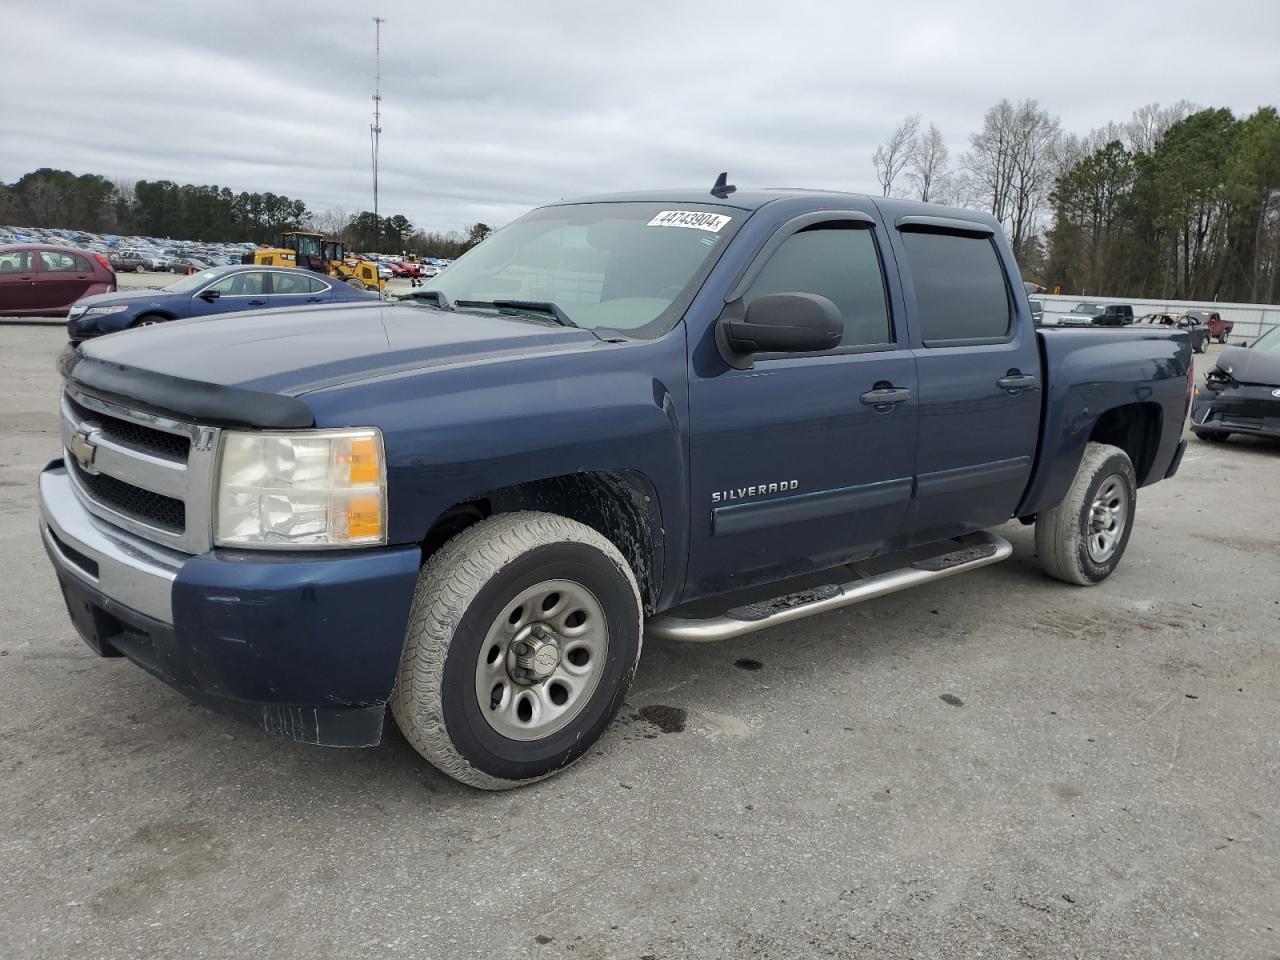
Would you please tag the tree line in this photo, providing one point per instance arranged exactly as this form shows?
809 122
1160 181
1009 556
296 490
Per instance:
1177 202
207 213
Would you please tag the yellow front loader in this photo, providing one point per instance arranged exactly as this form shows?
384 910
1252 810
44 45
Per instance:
310 251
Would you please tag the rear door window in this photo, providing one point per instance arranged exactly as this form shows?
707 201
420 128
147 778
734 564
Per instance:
55 261
295 283
960 288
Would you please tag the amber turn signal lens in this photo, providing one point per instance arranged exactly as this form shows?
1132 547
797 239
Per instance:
364 518
364 461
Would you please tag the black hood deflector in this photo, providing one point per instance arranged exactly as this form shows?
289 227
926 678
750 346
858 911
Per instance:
207 403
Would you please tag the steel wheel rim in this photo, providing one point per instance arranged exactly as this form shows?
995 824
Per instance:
1107 517
523 697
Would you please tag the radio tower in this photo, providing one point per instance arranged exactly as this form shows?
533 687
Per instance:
375 128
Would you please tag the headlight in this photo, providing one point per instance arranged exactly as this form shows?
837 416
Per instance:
308 488
120 309
75 312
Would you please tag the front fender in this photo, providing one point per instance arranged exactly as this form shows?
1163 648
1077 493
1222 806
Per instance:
454 433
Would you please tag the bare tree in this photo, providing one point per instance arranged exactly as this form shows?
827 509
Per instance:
1012 161
927 165
892 156
1149 124
332 223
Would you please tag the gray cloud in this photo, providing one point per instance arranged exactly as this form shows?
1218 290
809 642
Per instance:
491 108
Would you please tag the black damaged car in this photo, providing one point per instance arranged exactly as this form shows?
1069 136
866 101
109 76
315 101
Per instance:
1241 393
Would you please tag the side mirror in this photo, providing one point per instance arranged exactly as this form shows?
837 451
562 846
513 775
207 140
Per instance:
209 295
784 323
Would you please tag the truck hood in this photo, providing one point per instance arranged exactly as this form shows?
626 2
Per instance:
192 366
1251 366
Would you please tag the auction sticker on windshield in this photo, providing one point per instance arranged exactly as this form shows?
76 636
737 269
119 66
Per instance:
695 219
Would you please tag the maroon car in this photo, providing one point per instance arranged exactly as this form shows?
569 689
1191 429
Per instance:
1218 328
43 280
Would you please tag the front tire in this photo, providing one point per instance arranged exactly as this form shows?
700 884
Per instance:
523 638
1082 539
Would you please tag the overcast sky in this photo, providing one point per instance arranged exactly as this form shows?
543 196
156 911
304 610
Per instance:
491 108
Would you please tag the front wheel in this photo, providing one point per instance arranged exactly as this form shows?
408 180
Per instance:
523 638
1082 539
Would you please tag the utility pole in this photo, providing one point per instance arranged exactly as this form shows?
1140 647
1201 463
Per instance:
375 129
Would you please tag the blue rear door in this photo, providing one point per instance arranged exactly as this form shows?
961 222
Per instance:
979 375
805 461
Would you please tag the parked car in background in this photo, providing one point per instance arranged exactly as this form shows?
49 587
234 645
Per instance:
403 269
210 292
1081 315
1219 328
1198 332
125 261
39 280
1241 394
1037 312
1114 315
181 264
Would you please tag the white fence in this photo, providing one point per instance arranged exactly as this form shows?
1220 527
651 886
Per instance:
1251 320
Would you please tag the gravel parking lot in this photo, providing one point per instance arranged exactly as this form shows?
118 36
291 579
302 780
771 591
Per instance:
995 765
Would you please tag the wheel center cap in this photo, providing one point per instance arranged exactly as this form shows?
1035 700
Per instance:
534 655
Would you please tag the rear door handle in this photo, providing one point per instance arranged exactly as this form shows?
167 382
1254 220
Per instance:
315 299
886 396
1016 381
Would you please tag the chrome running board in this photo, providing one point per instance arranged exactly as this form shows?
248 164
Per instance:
972 551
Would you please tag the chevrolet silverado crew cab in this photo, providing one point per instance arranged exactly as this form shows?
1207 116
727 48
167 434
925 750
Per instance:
679 415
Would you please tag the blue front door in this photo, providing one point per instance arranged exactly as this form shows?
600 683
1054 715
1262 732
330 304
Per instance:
806 461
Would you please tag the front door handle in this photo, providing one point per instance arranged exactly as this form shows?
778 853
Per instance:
315 299
1016 381
886 396
257 303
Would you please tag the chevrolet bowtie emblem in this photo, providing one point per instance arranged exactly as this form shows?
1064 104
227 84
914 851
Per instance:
84 450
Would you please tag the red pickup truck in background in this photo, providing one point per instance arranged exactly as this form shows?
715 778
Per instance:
1219 329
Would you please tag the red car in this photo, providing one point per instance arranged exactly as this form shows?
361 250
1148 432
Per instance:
41 280
1218 328
402 269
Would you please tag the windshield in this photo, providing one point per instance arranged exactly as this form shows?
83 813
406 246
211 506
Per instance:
1091 309
187 284
1269 341
619 266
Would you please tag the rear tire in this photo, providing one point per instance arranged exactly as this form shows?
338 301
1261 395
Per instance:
1082 539
466 698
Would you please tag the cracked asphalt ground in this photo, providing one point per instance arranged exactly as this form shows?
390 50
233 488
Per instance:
995 765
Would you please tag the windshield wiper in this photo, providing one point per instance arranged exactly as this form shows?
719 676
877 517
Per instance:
440 300
525 306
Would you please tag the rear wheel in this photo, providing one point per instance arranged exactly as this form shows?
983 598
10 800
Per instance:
523 638
1082 539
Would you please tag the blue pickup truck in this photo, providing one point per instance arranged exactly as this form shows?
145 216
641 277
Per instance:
682 415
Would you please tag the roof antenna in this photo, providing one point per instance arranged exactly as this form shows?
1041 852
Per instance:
723 187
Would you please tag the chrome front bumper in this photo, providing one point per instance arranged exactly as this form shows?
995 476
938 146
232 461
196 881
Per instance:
132 571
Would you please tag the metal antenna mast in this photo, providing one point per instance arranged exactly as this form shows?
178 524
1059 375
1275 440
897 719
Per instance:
375 129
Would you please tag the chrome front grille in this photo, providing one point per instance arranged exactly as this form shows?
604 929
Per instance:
148 474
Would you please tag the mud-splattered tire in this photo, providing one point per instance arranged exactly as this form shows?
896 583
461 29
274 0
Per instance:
1083 538
494 608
